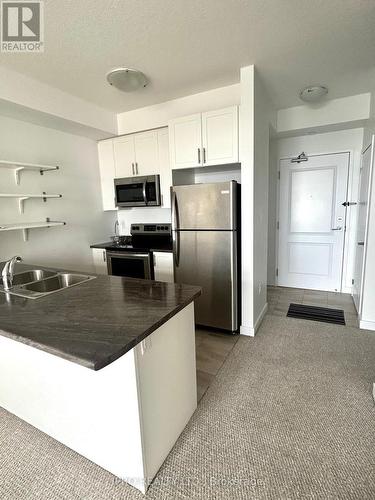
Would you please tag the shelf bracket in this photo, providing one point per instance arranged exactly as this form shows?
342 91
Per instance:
21 204
17 172
48 170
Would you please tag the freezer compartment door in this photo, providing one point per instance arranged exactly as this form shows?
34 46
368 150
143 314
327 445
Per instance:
209 259
205 206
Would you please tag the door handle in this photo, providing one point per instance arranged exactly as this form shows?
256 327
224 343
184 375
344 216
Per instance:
136 168
144 193
133 171
199 155
338 228
204 155
175 234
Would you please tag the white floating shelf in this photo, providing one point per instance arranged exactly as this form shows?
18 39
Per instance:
23 197
25 226
19 166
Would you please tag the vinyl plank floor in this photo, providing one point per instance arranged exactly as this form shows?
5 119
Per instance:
212 349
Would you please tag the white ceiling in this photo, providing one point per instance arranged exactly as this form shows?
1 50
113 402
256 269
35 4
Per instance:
188 46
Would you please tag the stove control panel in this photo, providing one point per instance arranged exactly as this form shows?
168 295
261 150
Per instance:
146 229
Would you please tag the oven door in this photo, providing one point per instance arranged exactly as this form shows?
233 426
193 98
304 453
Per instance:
138 191
130 264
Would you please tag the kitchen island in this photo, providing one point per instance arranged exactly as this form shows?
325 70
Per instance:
106 368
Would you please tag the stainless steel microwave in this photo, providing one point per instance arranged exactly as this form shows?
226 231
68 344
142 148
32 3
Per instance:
138 191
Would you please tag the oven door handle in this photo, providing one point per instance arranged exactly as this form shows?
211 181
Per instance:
128 255
144 192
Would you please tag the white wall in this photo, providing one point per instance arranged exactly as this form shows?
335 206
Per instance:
158 115
332 142
327 113
247 195
367 313
273 201
256 117
28 99
264 119
80 207
128 216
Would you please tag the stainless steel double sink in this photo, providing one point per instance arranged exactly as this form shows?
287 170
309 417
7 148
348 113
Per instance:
37 283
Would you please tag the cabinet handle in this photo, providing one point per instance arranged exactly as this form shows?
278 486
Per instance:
133 171
136 168
204 155
104 256
199 155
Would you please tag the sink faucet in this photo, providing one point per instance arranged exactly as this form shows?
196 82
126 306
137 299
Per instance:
8 270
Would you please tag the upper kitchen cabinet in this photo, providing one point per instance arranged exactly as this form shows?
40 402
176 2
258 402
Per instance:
136 154
146 153
185 141
204 139
107 174
124 153
220 136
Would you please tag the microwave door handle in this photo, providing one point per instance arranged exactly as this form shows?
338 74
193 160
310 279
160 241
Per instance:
144 192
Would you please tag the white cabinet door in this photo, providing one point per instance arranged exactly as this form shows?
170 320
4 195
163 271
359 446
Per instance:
124 153
164 166
99 256
146 153
185 141
220 136
163 266
107 174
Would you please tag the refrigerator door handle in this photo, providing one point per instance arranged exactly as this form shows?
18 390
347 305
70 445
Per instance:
234 279
175 234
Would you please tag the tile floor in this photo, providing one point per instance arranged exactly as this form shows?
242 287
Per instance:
213 347
279 299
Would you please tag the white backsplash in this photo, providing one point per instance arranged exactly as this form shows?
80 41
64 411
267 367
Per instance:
128 216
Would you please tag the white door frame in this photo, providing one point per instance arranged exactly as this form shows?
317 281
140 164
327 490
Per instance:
369 198
349 186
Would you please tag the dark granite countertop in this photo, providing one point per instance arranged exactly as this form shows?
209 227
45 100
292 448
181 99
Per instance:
109 245
94 323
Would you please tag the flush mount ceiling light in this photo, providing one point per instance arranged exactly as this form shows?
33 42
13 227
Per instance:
313 94
126 79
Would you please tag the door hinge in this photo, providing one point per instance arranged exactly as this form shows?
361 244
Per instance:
277 271
277 225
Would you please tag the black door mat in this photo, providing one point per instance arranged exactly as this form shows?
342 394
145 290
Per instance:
314 313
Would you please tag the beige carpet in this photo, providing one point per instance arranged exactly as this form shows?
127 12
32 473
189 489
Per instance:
290 415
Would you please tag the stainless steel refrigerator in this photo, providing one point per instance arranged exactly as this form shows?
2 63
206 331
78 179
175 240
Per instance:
205 247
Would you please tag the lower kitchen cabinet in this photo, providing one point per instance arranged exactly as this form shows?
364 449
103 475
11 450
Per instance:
99 256
163 266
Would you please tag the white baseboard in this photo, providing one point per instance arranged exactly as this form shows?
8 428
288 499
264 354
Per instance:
366 325
251 331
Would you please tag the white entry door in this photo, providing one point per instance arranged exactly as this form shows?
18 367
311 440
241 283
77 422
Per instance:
312 221
363 203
